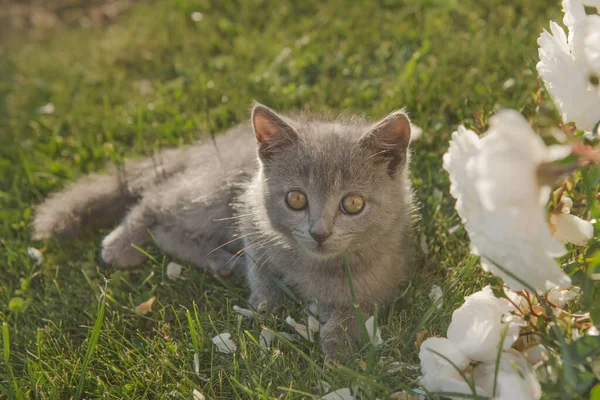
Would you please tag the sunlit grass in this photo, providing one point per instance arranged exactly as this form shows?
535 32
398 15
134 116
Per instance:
154 78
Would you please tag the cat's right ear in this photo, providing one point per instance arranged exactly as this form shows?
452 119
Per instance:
271 131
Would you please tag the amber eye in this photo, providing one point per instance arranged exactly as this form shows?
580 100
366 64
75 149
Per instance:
296 200
352 204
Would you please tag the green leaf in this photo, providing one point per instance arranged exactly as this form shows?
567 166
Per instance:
582 348
17 304
595 392
585 380
497 286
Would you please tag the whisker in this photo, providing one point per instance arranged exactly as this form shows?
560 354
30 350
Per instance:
234 217
231 241
241 252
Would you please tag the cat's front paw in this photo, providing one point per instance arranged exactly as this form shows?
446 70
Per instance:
118 251
340 337
265 303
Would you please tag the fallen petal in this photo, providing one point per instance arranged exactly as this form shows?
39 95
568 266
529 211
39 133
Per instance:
196 364
340 394
436 296
173 270
224 343
301 329
324 386
266 338
403 395
198 395
313 324
374 335
47 109
313 308
197 16
287 336
146 306
35 255
244 312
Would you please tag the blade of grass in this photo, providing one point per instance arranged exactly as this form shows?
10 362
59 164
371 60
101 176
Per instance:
360 319
92 344
6 349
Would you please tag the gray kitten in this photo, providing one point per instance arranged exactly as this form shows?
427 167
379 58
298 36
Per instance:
319 194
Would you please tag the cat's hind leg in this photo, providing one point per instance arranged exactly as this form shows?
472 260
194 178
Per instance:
118 247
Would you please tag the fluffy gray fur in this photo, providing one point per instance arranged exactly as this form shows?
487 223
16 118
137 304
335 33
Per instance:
218 214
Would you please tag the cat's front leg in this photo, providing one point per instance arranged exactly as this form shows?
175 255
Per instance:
340 336
265 294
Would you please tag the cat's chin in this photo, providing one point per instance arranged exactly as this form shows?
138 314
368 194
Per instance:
321 252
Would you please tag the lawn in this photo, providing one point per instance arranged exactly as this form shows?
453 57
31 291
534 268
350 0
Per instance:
156 77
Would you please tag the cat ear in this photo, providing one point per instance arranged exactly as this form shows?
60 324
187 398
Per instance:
388 139
271 131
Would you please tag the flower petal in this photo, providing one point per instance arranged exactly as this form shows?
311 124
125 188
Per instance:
374 335
571 229
224 343
173 270
340 394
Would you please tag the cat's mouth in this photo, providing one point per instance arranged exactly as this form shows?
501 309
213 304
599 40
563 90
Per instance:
322 250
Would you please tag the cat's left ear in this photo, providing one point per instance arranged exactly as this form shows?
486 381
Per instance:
388 139
272 133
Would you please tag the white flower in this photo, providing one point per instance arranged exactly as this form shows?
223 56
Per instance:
571 229
560 297
440 374
507 167
35 255
515 380
500 200
340 394
522 257
448 384
224 343
464 146
173 270
374 335
433 363
567 65
478 325
436 296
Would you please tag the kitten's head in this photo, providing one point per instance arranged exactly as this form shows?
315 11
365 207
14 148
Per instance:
331 187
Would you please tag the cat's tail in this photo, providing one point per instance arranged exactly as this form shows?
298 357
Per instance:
98 200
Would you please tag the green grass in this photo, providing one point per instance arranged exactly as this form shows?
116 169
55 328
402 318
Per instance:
70 326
